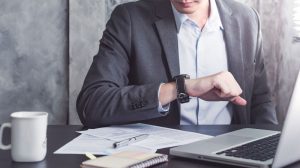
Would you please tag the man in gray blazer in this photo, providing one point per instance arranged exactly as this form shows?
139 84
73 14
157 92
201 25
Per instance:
139 51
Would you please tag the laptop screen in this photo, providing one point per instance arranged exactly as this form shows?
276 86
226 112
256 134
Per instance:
288 150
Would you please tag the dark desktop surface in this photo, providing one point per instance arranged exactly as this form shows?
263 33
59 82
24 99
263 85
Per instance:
60 135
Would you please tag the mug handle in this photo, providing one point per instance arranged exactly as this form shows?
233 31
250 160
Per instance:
2 146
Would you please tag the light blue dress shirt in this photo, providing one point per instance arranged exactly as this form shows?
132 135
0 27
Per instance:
202 53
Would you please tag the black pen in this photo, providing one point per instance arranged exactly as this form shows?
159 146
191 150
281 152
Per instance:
130 140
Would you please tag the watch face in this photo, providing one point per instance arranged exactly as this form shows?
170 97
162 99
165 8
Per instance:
182 95
183 98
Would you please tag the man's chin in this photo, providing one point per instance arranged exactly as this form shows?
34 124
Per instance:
186 11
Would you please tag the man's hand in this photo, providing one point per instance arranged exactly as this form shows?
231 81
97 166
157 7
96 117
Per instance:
218 87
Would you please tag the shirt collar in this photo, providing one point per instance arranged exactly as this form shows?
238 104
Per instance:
213 22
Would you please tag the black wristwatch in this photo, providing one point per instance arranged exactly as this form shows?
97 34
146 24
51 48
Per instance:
182 96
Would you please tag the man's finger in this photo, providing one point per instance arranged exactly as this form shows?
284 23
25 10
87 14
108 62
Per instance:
239 101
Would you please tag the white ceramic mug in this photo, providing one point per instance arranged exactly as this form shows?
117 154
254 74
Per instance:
28 136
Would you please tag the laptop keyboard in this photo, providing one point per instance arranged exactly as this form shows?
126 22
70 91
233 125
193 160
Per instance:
261 150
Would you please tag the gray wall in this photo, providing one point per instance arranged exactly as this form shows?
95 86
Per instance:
87 21
46 48
33 58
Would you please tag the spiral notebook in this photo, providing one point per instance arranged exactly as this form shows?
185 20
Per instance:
126 159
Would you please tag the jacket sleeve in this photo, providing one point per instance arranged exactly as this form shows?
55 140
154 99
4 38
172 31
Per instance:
262 108
108 96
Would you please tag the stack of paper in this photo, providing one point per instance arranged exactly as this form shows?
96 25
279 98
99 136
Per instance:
100 140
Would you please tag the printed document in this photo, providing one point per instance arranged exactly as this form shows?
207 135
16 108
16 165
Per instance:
98 146
100 140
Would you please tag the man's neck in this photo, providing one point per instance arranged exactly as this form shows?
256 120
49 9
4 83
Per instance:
202 14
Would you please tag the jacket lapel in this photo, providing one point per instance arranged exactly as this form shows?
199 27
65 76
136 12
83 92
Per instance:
166 29
234 54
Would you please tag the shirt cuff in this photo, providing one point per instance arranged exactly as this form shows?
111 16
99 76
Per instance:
163 110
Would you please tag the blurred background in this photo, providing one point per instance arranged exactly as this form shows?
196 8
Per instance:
46 48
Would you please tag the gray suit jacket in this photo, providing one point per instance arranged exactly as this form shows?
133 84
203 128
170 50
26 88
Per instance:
139 51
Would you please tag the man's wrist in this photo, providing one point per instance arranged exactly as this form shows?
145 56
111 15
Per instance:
190 85
167 93
196 87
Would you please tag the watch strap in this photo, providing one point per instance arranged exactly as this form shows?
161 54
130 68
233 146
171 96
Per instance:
182 96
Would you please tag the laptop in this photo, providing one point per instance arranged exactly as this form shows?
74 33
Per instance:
252 147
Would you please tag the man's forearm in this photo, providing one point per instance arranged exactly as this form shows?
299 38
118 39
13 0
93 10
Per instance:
218 87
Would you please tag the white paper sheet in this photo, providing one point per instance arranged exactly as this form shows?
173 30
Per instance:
100 141
98 146
110 133
160 137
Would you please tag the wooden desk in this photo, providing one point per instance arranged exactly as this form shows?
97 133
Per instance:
60 135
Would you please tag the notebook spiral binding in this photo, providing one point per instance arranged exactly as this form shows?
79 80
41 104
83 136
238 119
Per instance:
151 162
